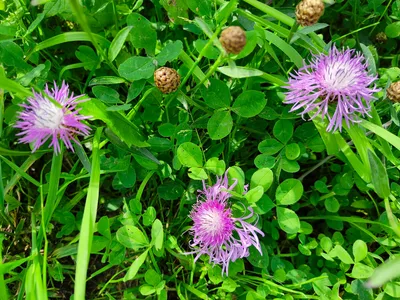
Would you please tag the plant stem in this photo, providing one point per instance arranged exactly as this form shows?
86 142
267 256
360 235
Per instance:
48 210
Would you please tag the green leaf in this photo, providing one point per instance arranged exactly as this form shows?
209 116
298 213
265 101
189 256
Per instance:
118 123
257 259
190 155
249 104
103 227
219 125
106 94
262 177
292 151
131 237
71 37
361 271
211 52
288 220
393 30
294 56
254 194
177 10
136 68
152 277
149 216
170 190
118 42
200 7
392 289
379 176
239 72
12 55
342 254
360 250
270 146
290 166
264 161
283 130
197 173
215 166
170 52
135 266
143 36
382 132
235 173
157 234
217 95
289 192
332 204
106 80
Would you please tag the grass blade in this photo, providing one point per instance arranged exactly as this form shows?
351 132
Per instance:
88 222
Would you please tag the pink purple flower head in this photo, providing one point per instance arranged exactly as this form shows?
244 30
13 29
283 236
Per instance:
42 119
336 85
216 232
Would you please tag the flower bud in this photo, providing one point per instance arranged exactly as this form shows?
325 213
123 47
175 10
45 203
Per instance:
393 92
233 39
167 80
308 12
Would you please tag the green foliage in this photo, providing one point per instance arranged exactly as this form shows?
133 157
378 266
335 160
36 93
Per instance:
112 219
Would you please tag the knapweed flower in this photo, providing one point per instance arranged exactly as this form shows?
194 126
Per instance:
42 119
216 232
338 81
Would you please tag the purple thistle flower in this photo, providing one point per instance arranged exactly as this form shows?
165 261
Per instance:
216 232
42 119
338 80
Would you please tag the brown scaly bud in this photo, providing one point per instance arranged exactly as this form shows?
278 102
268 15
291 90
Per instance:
166 79
381 37
308 12
233 39
393 92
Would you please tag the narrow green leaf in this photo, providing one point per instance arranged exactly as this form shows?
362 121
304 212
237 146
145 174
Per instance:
379 175
118 42
88 221
383 133
384 273
117 122
240 72
134 268
71 37
294 56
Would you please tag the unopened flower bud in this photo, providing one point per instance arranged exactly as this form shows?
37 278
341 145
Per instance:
233 39
381 37
167 80
308 12
393 91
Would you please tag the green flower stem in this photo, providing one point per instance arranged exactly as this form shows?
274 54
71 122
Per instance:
220 60
48 210
292 31
201 55
153 260
143 185
135 109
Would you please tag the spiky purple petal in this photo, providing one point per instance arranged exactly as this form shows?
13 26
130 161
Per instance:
42 119
216 232
338 81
